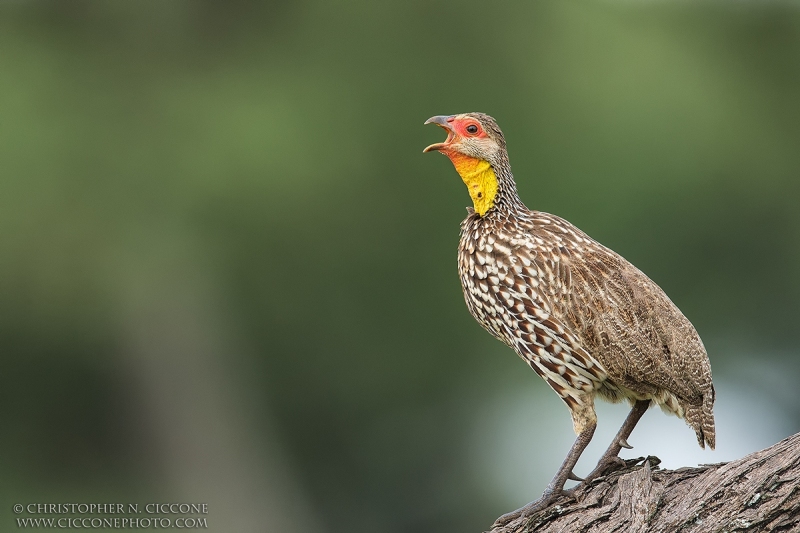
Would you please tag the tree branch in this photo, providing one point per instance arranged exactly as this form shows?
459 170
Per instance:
760 492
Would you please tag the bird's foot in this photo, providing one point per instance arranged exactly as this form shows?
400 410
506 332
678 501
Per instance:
511 521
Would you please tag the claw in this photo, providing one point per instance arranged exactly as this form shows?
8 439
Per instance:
573 477
624 444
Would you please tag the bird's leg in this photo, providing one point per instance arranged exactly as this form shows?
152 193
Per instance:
554 488
620 440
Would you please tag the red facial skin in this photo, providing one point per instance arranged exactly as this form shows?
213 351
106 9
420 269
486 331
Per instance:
459 130
461 125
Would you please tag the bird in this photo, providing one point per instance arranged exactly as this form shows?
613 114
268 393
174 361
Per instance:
585 319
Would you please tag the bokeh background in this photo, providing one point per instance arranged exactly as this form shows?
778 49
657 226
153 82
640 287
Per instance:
227 271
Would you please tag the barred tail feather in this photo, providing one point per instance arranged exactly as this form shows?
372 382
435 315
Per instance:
708 418
701 419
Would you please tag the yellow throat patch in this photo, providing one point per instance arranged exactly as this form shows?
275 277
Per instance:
480 179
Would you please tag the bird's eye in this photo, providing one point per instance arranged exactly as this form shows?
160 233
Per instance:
472 128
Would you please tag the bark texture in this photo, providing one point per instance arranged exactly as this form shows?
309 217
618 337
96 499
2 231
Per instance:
758 493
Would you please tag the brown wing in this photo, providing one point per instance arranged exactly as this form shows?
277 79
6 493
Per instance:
630 326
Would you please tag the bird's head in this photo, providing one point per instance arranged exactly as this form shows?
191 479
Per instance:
477 149
474 135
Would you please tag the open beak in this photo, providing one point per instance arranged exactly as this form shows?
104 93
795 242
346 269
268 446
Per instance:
443 122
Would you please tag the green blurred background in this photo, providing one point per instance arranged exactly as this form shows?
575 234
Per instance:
227 271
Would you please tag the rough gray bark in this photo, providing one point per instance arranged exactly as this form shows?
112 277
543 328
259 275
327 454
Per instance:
760 492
